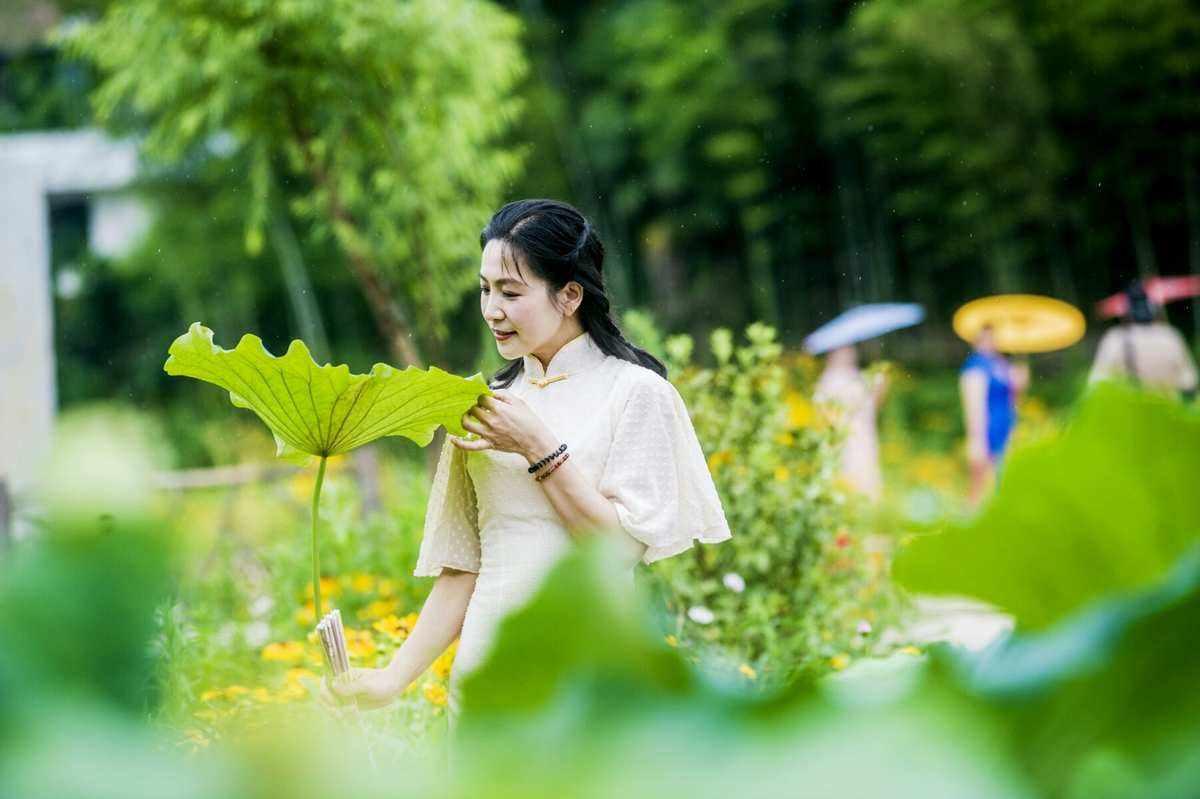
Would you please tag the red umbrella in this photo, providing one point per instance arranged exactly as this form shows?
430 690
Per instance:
1159 290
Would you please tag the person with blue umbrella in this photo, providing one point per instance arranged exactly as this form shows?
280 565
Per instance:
846 391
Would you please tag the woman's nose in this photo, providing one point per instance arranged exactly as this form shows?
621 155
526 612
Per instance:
490 311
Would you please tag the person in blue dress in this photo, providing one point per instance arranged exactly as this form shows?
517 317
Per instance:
989 385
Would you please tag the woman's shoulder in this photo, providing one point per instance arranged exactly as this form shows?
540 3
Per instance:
635 385
633 377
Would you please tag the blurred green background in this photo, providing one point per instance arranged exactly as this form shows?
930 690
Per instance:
320 169
745 161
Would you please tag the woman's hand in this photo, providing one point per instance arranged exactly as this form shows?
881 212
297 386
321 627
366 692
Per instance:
367 688
506 423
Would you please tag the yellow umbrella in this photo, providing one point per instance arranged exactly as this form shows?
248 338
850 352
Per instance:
1021 323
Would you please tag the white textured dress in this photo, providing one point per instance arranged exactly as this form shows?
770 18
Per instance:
628 431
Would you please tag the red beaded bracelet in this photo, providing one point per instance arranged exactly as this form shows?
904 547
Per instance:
551 470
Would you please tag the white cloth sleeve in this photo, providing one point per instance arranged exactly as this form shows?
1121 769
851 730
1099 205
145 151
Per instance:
656 475
451 537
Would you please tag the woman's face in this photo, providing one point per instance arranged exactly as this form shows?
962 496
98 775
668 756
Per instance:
517 306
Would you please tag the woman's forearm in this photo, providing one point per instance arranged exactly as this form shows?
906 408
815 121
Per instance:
438 624
581 506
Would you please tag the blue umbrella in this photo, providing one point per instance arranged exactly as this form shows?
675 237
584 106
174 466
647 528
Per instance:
862 323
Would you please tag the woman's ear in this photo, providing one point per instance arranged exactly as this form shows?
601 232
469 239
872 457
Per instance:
570 297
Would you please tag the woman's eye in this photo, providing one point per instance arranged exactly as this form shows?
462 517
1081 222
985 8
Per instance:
510 294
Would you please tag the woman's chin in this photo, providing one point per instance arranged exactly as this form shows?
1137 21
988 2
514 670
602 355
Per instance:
509 348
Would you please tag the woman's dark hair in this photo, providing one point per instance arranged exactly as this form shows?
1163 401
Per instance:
1141 311
555 241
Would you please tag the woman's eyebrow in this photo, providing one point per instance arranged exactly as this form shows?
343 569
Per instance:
502 281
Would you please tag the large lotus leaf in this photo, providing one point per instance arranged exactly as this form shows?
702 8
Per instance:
579 697
326 410
1107 507
1106 702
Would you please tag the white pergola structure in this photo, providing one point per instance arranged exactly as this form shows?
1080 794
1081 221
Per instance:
36 170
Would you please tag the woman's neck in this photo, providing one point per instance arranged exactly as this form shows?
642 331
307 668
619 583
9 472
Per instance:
569 330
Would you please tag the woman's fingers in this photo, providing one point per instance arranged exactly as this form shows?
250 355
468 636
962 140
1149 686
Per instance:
489 404
329 698
471 446
473 425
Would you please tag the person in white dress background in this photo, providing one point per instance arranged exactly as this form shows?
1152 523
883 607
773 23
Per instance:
582 436
853 398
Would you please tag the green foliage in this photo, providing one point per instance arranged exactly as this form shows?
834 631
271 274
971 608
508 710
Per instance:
1103 703
77 599
41 90
1107 507
1121 679
629 716
390 113
325 410
808 581
949 103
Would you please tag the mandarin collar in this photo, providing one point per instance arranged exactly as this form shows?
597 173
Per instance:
578 354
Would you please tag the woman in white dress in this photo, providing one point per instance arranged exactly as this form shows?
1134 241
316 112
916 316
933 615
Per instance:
582 436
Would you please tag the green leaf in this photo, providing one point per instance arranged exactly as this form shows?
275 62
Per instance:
627 715
1106 508
325 410
596 629
1106 697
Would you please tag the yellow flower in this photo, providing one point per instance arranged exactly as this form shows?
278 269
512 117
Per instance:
386 587
719 459
234 691
672 641
839 661
261 695
785 439
378 609
910 650
392 627
284 651
748 671
359 643
329 588
782 474
210 695
436 693
360 582
306 616
442 666
800 411
296 675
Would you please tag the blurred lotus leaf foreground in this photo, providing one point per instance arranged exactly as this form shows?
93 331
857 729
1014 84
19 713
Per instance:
1096 694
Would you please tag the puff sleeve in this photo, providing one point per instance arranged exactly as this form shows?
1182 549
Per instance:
656 476
451 538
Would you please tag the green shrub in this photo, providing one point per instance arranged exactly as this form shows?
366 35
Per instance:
813 597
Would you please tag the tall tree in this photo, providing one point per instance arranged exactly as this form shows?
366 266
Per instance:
391 115
946 98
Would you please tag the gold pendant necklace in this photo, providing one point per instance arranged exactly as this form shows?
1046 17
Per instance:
542 382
